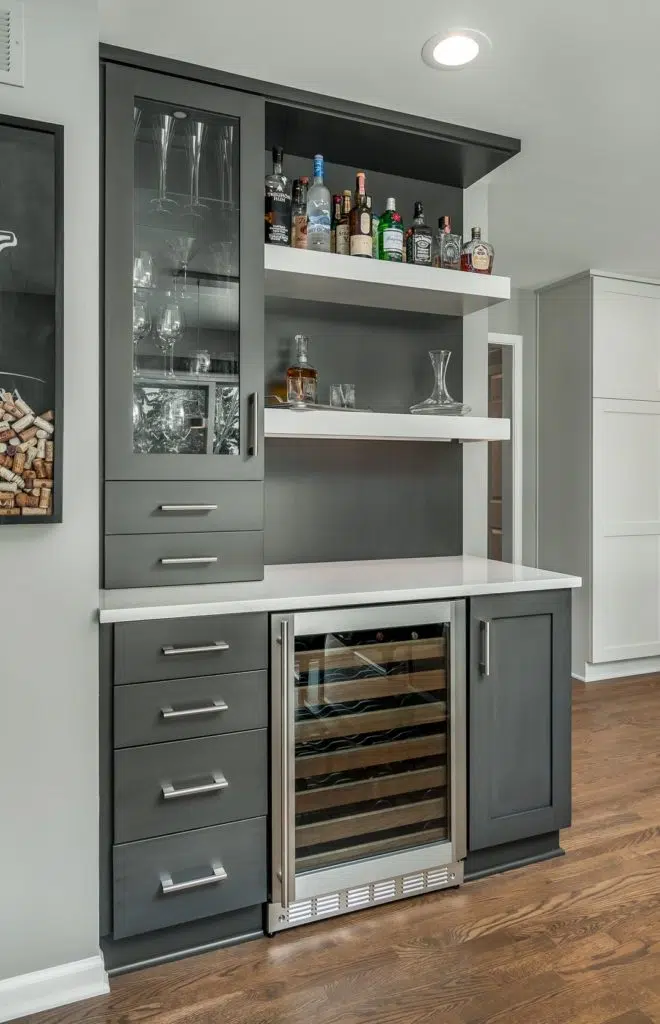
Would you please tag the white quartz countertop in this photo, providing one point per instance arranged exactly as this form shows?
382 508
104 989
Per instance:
332 585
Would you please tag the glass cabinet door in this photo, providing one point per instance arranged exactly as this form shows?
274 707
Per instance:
184 279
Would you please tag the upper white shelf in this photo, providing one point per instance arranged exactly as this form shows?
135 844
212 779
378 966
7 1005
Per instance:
383 426
326 277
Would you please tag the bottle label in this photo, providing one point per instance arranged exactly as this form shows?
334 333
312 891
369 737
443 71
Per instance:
299 231
318 227
480 257
419 249
450 251
392 243
278 218
361 245
342 239
365 224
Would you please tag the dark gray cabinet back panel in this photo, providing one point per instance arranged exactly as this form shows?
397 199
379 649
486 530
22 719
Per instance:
342 500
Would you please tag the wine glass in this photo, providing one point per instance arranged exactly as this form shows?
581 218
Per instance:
169 330
143 270
178 253
141 327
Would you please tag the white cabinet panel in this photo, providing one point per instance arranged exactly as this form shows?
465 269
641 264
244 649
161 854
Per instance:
626 339
626 530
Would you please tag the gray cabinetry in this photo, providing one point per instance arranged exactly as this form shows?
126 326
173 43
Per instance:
519 717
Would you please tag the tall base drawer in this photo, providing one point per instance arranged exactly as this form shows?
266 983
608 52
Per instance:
173 506
179 559
164 882
170 787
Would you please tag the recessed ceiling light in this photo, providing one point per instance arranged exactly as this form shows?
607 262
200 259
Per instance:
454 48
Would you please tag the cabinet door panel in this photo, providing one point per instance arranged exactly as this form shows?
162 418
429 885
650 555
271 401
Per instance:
519 734
626 339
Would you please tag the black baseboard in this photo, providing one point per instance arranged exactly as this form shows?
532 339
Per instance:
122 955
512 855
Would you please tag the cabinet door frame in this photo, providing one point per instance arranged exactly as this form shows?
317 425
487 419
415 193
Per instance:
484 828
122 86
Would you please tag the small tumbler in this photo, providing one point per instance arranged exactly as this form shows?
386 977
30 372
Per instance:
342 396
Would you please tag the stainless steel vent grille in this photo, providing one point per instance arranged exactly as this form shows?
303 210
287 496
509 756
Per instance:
11 43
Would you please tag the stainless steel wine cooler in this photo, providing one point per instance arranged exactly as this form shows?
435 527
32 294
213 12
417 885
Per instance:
368 757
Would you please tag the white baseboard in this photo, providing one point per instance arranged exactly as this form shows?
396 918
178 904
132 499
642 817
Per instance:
56 986
617 669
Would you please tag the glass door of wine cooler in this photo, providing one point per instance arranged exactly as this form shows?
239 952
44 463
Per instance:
369 747
184 279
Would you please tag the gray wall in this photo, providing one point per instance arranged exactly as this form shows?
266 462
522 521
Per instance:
48 665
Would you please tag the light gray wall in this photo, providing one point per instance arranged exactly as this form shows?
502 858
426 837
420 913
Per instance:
519 317
48 663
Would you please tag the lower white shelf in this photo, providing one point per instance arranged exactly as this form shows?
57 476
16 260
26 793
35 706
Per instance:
383 426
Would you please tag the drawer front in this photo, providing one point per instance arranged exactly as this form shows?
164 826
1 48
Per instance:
173 506
171 787
182 648
181 709
177 559
164 882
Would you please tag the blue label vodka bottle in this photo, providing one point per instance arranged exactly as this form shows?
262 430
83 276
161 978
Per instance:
319 211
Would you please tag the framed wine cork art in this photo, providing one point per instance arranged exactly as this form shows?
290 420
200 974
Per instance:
30 322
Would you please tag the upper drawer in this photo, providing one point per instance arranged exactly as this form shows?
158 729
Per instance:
177 648
180 709
179 559
173 506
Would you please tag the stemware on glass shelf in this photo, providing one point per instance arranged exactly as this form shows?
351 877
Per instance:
141 326
169 330
143 270
195 133
163 131
178 253
225 143
440 402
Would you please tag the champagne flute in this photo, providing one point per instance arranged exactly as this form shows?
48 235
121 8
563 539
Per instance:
163 131
169 330
194 141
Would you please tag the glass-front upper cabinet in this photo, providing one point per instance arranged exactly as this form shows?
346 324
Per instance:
184 279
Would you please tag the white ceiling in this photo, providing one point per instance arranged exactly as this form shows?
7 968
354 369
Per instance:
577 81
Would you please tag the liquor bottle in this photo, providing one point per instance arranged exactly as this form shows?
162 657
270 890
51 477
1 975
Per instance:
418 239
336 217
319 211
277 203
374 229
342 241
477 256
301 377
390 234
446 246
360 220
299 214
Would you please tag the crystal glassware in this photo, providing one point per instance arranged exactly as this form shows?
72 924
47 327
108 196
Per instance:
141 326
342 396
173 421
201 362
178 253
440 401
169 330
143 270
163 130
194 142
226 163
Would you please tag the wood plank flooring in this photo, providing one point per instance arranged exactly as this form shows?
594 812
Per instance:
571 941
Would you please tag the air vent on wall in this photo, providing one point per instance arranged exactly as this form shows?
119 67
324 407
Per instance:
12 63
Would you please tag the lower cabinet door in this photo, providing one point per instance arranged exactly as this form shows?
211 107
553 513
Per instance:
168 881
519 717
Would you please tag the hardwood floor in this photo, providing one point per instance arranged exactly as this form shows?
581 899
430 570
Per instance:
571 941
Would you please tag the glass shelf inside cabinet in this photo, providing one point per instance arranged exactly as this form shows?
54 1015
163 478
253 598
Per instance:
186 280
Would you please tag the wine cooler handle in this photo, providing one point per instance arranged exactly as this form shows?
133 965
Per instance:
285 852
253 407
484 660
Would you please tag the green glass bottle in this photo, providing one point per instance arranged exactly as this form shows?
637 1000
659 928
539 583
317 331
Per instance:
390 234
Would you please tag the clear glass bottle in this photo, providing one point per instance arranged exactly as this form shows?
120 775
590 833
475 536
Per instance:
302 377
277 214
299 214
418 239
477 256
446 246
390 234
440 402
319 210
343 231
360 220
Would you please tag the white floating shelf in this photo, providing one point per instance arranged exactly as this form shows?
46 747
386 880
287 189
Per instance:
326 277
383 426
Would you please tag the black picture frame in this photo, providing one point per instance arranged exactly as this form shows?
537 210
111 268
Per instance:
42 162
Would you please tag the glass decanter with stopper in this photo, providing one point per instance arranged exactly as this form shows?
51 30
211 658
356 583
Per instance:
440 402
301 377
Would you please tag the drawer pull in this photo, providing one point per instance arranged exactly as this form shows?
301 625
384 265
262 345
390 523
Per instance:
198 560
202 709
188 508
168 886
171 792
216 646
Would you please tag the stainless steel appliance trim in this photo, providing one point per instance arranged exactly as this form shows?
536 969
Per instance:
168 886
282 760
484 657
196 560
203 709
216 646
172 792
458 730
188 508
372 617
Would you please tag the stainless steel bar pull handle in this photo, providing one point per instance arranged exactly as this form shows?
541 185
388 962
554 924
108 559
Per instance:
284 777
172 792
188 508
253 442
168 886
214 708
198 560
214 648
484 660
